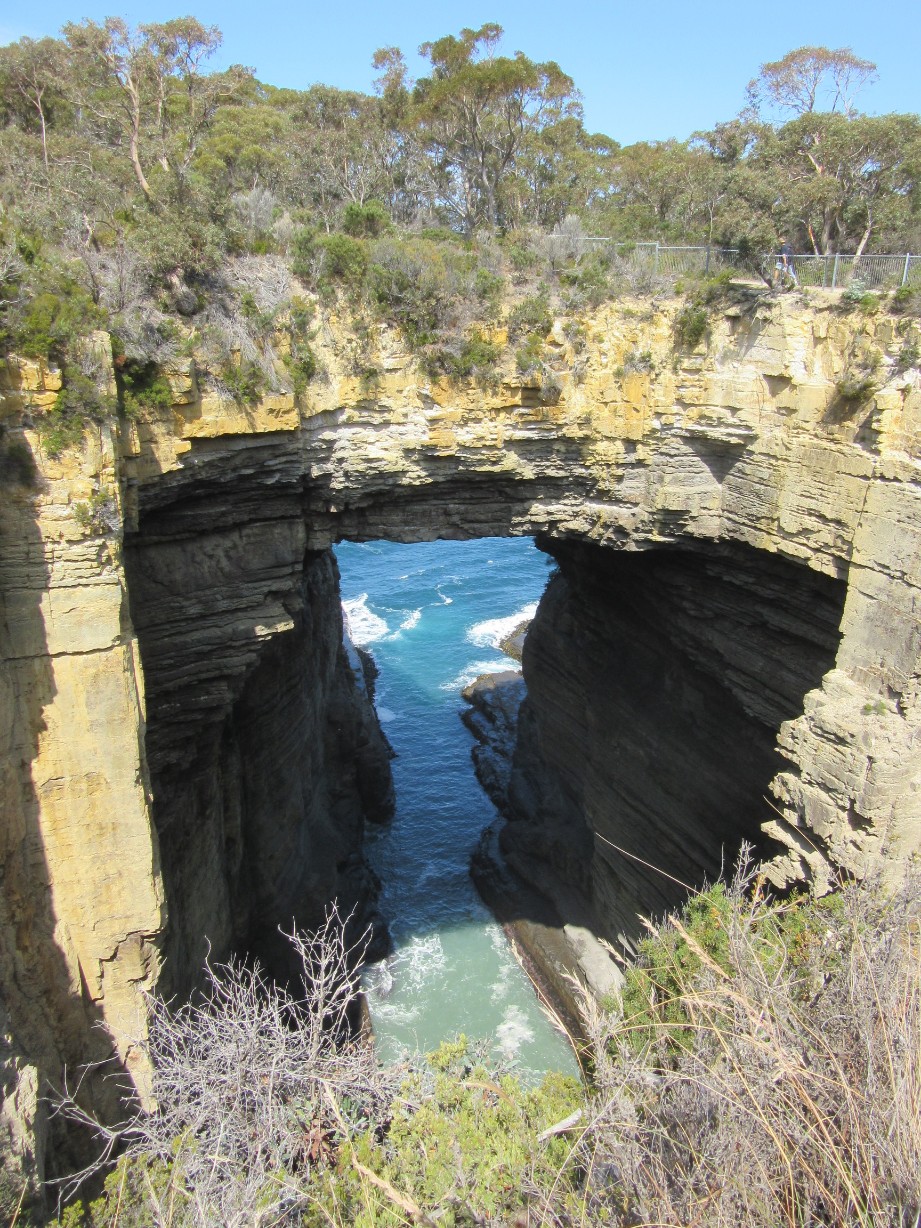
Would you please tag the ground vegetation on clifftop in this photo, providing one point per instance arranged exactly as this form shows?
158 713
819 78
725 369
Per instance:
187 211
762 1068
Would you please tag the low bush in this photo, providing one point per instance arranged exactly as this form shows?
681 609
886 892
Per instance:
531 317
366 221
765 1067
243 381
529 355
906 301
344 259
415 283
100 517
761 1069
857 386
141 387
691 325
476 357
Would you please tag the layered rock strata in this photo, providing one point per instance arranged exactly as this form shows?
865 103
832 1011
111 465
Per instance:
220 609
657 682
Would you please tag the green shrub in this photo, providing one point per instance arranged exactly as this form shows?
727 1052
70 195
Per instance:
476 357
857 386
261 323
909 355
488 287
50 322
461 1143
907 300
589 281
304 253
691 325
100 517
79 401
528 356
245 381
638 362
60 432
856 295
366 221
532 315
521 254
344 259
141 387
414 282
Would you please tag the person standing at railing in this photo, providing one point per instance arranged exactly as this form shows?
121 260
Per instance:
784 267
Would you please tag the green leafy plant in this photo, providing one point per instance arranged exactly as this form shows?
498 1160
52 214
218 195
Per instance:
528 356
691 325
531 316
141 387
100 517
638 362
344 259
79 401
244 381
857 386
366 221
476 357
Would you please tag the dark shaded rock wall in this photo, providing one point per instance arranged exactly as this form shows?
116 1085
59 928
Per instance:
657 682
265 756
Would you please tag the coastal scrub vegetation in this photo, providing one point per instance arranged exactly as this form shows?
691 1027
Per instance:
190 212
761 1067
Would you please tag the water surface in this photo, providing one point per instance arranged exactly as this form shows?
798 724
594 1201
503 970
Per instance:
433 616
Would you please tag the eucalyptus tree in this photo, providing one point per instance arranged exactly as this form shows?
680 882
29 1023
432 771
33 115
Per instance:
32 84
474 115
810 79
146 88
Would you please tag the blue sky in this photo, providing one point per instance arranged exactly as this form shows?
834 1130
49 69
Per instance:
646 71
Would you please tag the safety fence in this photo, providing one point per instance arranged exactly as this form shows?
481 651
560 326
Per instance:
871 271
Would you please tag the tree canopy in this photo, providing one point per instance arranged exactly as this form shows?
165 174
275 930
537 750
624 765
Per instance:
131 170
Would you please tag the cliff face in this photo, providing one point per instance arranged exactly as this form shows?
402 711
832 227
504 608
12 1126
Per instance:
739 567
657 683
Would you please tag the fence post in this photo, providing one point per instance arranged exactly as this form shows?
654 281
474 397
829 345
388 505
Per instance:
834 273
707 263
656 265
906 268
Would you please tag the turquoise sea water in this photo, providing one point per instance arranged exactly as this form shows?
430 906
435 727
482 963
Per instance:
432 615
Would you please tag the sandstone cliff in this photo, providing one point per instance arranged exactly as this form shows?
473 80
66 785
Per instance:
738 539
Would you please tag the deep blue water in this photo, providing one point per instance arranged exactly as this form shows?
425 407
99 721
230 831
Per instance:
432 615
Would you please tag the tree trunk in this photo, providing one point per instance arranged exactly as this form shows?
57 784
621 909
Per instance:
134 140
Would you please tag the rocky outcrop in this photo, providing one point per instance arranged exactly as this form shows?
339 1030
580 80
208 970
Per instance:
177 720
186 693
657 683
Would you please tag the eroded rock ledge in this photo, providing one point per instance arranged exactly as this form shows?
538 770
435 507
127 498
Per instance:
735 470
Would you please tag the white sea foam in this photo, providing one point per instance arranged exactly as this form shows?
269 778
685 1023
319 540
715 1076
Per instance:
386 715
363 625
473 670
492 632
419 961
377 979
410 621
513 1032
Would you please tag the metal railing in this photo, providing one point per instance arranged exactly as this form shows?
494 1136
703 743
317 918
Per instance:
872 271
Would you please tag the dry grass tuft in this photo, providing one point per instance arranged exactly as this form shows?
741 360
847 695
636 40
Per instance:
767 1075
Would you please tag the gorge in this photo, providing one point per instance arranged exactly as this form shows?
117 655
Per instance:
189 756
